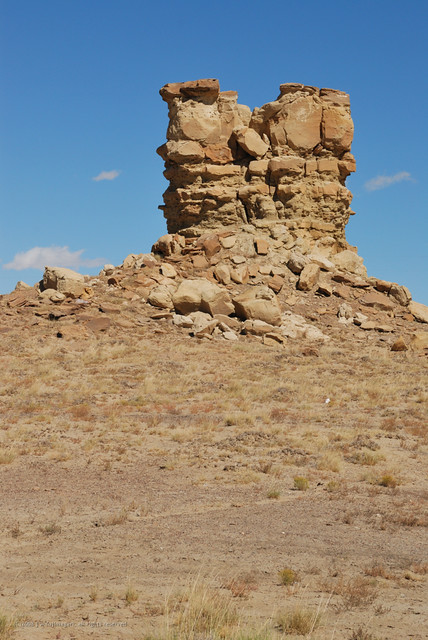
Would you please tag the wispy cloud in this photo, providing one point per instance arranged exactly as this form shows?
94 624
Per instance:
107 175
39 257
381 182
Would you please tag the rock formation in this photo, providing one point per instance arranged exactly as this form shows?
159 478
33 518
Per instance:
256 249
280 169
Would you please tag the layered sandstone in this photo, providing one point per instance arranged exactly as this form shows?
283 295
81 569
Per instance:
282 166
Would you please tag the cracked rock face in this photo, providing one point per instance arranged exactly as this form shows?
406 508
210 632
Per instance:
286 162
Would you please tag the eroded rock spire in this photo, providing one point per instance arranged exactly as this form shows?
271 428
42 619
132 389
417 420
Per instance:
284 165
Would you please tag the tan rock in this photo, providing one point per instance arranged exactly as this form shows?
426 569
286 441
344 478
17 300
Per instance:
273 339
232 323
188 296
401 294
258 167
216 301
251 142
222 273
22 286
258 303
211 245
68 282
228 242
302 123
200 262
419 311
374 325
276 283
419 341
184 322
201 295
166 245
229 335
160 297
308 277
262 246
52 295
296 262
337 130
129 261
257 327
240 274
399 345
168 270
286 164
377 301
182 151
349 261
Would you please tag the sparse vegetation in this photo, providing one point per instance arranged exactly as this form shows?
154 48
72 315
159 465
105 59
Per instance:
216 455
131 595
301 483
50 529
287 576
7 627
299 620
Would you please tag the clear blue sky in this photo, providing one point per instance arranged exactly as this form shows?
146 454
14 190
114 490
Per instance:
79 96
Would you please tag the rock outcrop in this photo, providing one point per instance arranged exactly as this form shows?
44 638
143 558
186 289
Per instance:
280 168
256 210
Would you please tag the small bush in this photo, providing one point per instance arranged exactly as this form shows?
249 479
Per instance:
7 455
299 621
273 494
50 529
301 483
388 480
130 595
287 576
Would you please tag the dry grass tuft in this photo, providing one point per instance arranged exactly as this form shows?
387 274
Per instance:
301 483
7 627
287 576
299 621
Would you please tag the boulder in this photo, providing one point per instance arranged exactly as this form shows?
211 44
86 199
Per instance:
257 327
349 261
401 294
251 142
419 311
52 295
377 301
66 281
201 295
222 273
399 345
419 341
168 270
296 262
258 303
161 297
308 277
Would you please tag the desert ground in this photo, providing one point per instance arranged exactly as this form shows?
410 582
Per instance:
159 486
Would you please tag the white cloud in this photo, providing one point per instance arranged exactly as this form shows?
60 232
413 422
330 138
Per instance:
381 182
40 257
106 175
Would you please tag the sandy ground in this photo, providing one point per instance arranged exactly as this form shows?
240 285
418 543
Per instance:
137 466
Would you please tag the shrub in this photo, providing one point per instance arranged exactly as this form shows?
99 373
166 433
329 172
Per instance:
287 576
301 483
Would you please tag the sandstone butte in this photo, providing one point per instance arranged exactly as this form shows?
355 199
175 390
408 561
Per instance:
256 211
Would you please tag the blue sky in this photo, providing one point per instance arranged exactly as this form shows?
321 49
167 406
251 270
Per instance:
79 100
